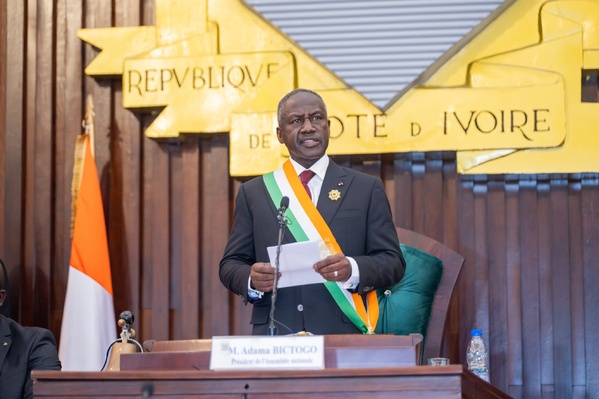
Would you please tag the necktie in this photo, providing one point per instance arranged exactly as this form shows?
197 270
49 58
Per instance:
305 177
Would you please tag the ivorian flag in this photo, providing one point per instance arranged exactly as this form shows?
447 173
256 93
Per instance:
88 322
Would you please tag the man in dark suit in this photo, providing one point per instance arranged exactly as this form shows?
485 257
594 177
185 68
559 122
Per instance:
22 349
352 218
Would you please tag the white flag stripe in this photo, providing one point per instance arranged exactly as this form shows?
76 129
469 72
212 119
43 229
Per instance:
304 220
295 206
88 324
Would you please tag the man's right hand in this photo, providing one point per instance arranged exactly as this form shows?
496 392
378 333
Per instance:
262 277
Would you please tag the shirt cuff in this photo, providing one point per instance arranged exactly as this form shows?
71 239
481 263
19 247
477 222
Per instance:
354 280
253 295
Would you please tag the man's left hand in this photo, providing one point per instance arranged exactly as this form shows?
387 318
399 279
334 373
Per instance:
334 268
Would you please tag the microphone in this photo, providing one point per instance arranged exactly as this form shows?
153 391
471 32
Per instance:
272 330
284 205
112 360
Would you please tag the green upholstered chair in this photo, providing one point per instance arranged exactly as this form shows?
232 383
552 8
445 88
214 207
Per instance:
420 302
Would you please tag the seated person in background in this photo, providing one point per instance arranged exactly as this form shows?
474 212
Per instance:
5 307
22 349
347 210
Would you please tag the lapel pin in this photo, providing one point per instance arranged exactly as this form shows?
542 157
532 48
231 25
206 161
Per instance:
340 183
334 195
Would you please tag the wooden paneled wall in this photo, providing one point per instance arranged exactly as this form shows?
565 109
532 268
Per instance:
531 242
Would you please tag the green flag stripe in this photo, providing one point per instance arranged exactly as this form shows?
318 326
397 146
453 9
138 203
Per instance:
345 306
298 233
276 195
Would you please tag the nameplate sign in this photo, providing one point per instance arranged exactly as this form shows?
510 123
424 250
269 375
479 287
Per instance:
267 353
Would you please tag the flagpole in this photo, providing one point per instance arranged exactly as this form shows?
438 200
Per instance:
88 322
88 123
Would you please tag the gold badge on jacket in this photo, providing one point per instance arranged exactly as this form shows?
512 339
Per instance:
334 195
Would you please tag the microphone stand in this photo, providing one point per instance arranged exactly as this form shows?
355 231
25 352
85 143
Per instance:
272 330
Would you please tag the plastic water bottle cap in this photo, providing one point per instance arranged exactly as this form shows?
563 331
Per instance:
476 333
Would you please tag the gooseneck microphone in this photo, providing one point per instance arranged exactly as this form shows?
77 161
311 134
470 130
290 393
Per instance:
282 220
283 207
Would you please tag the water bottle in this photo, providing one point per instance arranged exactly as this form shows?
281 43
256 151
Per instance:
477 355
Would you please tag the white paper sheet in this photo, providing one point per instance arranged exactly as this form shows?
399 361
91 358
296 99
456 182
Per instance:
295 263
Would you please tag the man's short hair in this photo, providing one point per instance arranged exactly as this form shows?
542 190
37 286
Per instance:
291 94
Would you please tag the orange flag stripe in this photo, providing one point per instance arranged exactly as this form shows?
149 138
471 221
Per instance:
315 216
369 316
89 250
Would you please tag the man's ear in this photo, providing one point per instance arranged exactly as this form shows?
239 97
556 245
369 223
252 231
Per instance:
2 297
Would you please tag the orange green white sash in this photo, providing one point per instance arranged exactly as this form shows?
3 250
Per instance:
307 224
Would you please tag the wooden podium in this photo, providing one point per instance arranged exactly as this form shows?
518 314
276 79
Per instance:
341 351
355 367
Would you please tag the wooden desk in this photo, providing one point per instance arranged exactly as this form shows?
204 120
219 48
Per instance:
392 382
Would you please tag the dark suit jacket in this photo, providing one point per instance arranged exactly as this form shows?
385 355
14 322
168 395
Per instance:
23 349
360 220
